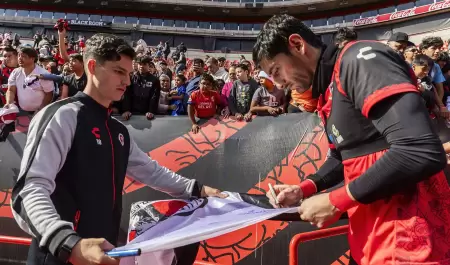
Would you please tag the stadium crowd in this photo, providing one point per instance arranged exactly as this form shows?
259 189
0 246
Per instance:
169 83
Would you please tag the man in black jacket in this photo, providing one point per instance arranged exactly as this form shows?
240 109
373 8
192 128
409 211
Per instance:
68 195
382 145
142 95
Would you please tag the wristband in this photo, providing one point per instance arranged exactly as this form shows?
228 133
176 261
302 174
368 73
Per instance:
341 200
308 188
65 249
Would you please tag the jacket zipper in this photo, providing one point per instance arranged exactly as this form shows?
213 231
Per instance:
76 220
113 167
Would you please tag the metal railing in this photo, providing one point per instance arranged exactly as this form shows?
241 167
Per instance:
309 236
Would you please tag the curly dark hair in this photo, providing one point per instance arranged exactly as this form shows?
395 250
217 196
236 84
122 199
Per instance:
10 49
107 47
274 36
243 66
76 56
345 34
431 41
198 61
207 77
30 52
145 59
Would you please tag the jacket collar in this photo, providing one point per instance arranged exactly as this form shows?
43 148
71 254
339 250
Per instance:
324 70
91 103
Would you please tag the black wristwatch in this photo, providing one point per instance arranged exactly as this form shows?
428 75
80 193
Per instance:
66 248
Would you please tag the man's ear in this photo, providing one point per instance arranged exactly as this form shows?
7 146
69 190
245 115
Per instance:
91 64
296 44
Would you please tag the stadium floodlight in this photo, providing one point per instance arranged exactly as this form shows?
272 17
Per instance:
104 3
311 8
226 11
32 0
80 2
57 1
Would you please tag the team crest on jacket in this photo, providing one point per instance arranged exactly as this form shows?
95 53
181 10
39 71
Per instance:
121 139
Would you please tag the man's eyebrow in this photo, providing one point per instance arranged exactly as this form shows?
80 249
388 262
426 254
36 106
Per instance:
120 68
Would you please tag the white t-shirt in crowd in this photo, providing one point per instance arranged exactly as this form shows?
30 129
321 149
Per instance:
30 99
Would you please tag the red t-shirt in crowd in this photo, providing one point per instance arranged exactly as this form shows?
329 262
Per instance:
205 103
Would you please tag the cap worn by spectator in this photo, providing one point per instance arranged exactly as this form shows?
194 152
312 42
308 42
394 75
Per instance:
264 75
402 38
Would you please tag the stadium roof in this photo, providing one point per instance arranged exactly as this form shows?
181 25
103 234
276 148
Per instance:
205 10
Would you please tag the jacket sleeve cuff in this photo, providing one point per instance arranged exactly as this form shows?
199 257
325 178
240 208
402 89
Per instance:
308 188
57 239
197 189
341 200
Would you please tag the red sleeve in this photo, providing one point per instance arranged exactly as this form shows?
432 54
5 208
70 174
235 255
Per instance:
218 99
368 72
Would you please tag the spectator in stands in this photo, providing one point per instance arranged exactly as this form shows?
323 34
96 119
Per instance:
226 90
142 96
32 94
410 53
215 70
182 48
443 59
222 61
248 64
431 46
77 81
180 63
37 39
268 99
256 74
166 51
203 103
300 102
421 66
66 70
344 36
399 41
241 94
165 70
198 69
177 96
242 58
8 65
152 68
164 106
64 49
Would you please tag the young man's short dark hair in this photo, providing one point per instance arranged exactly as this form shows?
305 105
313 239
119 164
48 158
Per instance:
10 49
213 61
423 60
431 41
274 36
199 62
207 77
182 77
243 66
443 57
76 56
107 47
30 52
345 34
144 60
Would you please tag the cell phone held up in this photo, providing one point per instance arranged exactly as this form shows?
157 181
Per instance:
61 24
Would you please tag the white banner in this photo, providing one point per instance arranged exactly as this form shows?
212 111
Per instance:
199 220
